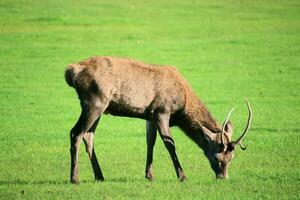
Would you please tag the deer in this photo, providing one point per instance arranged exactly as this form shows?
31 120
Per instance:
158 94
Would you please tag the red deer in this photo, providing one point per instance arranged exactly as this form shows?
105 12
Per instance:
158 94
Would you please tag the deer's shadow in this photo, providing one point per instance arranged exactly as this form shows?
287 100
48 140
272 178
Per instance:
37 182
66 182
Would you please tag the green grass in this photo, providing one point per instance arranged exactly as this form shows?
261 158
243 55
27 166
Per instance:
226 50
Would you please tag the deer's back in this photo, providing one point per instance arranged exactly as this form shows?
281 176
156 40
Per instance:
133 88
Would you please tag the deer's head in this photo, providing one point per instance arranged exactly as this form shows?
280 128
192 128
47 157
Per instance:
220 148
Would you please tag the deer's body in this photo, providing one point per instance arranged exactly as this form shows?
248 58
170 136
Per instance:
123 87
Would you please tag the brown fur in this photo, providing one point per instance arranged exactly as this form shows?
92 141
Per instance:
158 94
136 89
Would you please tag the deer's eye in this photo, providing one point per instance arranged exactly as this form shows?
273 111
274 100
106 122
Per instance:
221 148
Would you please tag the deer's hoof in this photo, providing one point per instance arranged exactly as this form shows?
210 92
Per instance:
149 176
182 178
74 181
101 179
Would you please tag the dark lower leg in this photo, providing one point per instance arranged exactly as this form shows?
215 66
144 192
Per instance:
151 137
97 170
85 122
75 142
170 145
149 169
162 124
89 144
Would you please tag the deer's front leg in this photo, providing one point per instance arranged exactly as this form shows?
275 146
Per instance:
162 123
151 137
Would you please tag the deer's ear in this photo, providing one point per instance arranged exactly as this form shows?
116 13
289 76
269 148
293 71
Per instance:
229 130
208 135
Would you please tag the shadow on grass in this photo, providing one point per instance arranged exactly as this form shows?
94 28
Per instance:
66 182
126 180
144 180
23 182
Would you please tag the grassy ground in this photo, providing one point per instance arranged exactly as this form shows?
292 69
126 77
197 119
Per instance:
226 50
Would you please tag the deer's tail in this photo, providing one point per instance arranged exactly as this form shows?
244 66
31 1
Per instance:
71 73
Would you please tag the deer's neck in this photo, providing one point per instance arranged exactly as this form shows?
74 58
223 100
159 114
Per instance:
194 114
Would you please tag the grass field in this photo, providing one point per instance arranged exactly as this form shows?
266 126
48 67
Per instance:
226 50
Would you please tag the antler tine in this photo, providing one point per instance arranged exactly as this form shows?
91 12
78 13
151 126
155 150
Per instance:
238 141
242 146
224 124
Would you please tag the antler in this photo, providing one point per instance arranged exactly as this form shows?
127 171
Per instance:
239 141
242 146
224 124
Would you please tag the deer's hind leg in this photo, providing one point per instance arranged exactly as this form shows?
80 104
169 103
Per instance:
91 111
88 139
